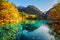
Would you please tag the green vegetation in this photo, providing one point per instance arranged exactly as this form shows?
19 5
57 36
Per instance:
3 1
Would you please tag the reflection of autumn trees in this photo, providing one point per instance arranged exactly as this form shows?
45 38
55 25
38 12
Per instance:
54 15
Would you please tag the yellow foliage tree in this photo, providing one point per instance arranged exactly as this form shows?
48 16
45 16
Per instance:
9 20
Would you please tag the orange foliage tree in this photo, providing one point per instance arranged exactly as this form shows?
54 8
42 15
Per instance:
54 15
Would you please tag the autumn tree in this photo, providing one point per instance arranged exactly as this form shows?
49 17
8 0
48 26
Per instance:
54 15
10 20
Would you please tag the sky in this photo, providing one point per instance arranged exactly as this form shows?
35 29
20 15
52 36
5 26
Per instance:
43 5
58 0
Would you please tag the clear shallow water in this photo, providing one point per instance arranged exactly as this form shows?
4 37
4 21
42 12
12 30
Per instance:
31 25
39 33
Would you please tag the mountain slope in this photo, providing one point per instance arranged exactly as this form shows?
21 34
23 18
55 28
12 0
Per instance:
54 16
31 10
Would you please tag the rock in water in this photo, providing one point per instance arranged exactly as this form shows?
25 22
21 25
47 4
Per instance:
9 20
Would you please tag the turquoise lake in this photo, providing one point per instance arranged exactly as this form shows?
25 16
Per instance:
37 31
33 24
